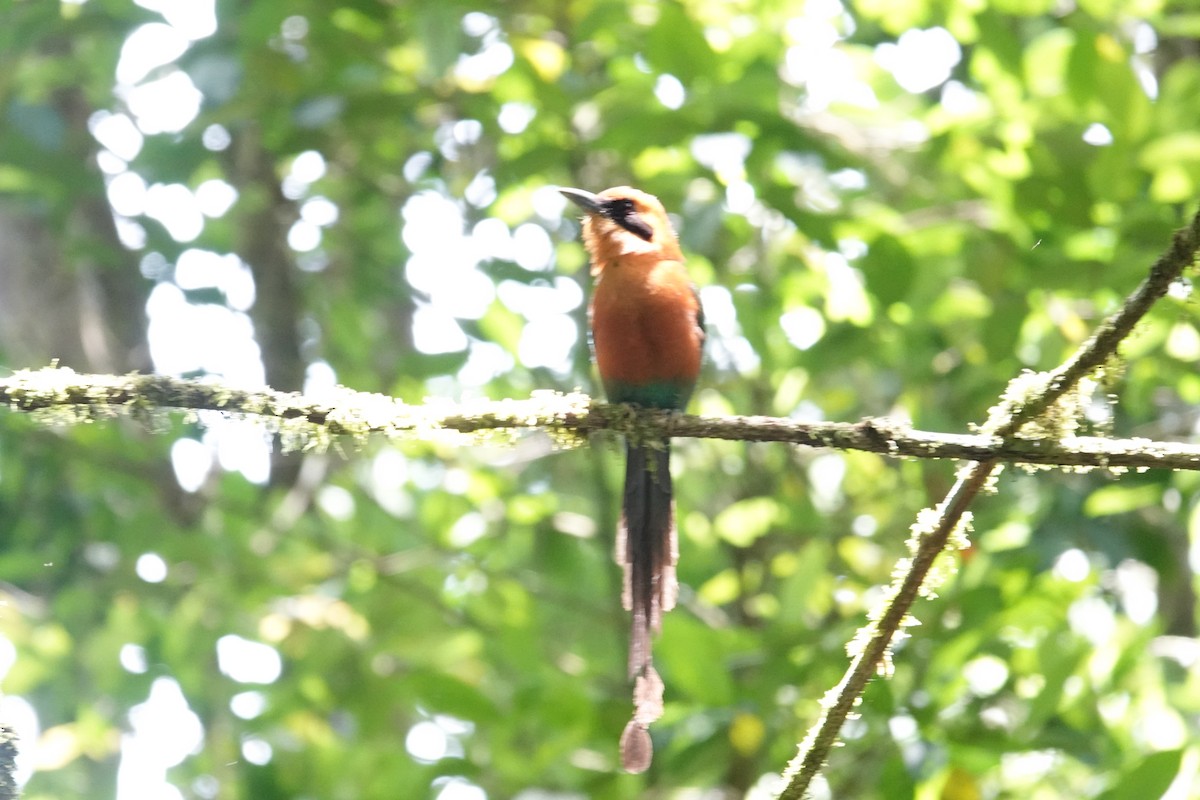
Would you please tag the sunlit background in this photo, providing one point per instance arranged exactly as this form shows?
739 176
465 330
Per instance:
153 100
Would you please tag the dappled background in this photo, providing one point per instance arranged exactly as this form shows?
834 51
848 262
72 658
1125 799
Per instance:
890 209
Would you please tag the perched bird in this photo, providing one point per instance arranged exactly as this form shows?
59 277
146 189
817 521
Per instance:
648 337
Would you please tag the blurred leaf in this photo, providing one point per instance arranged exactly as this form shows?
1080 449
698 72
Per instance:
692 659
1150 778
442 694
745 521
1121 499
676 45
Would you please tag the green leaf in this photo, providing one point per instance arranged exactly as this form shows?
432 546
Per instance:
676 44
745 521
440 693
1149 779
692 660
1118 499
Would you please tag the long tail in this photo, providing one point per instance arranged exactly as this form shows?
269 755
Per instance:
647 547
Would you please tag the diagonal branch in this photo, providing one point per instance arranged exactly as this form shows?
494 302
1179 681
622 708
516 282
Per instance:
1103 344
1026 402
878 634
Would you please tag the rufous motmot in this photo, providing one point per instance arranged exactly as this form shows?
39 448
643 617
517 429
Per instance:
648 337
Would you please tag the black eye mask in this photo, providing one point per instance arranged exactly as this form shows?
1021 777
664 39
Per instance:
621 212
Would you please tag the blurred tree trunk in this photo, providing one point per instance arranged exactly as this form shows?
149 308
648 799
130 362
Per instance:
69 290
263 246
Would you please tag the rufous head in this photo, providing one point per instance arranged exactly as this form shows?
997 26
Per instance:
624 221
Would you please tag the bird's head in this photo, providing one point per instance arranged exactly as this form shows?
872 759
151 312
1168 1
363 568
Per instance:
623 221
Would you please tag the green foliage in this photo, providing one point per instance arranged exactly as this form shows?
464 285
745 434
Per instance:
868 251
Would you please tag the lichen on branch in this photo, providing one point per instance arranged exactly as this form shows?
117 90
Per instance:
62 396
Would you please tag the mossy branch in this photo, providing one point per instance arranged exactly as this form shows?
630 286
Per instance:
8 764
63 396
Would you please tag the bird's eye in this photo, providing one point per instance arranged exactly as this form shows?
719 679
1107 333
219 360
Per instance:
623 212
620 210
